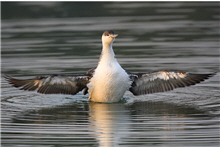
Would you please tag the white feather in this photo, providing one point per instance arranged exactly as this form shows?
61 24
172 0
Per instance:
110 80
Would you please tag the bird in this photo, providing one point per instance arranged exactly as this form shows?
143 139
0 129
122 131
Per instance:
108 82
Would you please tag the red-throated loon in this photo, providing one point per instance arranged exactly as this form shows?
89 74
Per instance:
109 81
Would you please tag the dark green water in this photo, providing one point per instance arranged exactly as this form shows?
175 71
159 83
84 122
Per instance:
43 38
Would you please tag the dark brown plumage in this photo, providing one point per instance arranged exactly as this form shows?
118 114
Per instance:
163 81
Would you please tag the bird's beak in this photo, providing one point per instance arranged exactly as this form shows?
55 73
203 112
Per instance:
113 36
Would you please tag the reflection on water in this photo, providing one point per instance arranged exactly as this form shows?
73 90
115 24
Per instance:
110 123
65 38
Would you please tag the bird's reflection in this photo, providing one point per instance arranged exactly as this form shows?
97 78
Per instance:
107 121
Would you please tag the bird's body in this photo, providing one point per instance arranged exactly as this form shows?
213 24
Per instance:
109 81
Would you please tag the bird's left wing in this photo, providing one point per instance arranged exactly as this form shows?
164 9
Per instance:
54 84
161 81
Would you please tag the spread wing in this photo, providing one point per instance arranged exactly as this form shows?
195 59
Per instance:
161 81
54 84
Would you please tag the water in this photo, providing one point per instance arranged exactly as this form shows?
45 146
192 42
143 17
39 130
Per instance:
65 38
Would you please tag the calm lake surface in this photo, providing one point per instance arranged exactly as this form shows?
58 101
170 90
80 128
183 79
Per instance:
65 38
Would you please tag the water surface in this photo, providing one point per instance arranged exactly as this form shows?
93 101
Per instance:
58 38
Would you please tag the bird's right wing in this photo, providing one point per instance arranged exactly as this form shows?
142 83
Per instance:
161 81
54 84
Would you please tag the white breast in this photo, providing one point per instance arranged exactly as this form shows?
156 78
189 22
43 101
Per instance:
109 83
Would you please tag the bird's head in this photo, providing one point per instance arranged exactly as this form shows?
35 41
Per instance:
108 37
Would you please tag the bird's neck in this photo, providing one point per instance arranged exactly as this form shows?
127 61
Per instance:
107 54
